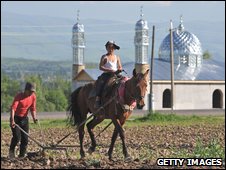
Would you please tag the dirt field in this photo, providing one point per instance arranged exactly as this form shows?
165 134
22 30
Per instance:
145 144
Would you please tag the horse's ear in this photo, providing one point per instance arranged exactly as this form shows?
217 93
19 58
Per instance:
134 72
146 73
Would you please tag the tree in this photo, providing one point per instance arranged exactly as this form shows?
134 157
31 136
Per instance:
9 88
206 55
51 96
58 98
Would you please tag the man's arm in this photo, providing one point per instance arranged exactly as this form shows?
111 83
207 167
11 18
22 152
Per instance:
34 116
12 114
33 109
13 109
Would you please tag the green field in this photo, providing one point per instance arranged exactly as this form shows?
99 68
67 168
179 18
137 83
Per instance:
150 119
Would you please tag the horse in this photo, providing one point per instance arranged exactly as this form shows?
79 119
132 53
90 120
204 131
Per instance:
81 104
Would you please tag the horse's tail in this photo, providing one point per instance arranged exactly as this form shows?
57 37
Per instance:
74 114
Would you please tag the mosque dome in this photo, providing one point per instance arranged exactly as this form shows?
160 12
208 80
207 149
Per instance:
186 46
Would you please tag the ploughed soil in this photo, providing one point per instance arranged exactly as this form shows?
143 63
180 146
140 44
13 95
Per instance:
145 145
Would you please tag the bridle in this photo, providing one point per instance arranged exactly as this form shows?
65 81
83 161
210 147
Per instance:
135 98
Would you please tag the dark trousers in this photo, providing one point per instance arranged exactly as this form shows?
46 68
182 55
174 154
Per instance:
101 81
18 135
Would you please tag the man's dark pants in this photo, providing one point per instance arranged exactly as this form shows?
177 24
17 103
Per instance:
18 135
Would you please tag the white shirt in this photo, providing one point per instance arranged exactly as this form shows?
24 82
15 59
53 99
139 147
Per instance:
111 65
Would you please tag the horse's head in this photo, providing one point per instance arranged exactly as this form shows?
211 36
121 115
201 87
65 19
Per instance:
139 87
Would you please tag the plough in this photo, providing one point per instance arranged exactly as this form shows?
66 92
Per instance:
57 146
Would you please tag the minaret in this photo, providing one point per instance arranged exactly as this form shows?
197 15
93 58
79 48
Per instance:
141 42
78 46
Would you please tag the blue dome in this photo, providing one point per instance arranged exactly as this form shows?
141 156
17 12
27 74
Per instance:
187 48
183 43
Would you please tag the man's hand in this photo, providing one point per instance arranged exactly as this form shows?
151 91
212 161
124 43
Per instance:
35 121
12 123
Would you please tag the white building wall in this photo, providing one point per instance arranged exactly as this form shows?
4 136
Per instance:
188 95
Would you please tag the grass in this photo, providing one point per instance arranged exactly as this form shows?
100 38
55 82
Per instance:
158 118
149 119
45 123
212 150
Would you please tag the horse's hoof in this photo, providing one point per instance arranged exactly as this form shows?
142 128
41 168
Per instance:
91 150
82 157
82 154
110 158
128 158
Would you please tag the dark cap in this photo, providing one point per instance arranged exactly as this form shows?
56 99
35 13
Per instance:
113 43
30 86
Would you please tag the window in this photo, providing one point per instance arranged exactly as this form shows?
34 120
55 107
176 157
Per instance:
166 102
217 99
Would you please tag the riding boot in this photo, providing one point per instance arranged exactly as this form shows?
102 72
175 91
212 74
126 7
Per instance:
23 151
97 103
11 153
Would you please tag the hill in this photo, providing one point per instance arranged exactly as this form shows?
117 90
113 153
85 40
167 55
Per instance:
18 68
49 38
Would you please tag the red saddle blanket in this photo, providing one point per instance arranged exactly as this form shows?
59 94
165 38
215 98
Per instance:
121 93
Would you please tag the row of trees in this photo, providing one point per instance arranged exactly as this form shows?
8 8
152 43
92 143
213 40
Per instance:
51 96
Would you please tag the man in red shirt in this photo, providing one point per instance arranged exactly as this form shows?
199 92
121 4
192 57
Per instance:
23 102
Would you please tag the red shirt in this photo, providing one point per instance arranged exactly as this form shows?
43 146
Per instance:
22 103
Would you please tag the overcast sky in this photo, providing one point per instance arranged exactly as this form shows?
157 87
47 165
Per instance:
154 11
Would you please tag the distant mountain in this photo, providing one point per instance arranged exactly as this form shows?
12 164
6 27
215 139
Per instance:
49 38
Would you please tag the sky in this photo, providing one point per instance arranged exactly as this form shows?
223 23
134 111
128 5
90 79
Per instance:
156 11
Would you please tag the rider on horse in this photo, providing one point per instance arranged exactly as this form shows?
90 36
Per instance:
111 65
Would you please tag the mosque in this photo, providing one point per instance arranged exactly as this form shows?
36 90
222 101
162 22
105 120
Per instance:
198 83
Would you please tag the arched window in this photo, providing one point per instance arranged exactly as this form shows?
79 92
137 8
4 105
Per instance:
166 102
217 99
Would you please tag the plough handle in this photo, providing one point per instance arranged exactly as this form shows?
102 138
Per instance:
37 142
104 129
62 139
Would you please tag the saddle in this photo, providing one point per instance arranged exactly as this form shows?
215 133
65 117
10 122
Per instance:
109 86
116 84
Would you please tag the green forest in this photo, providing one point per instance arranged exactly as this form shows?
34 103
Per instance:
51 95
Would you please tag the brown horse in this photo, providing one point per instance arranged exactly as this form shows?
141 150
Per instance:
82 104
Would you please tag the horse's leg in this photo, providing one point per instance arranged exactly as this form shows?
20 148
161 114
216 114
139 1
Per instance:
122 136
113 139
81 136
90 127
